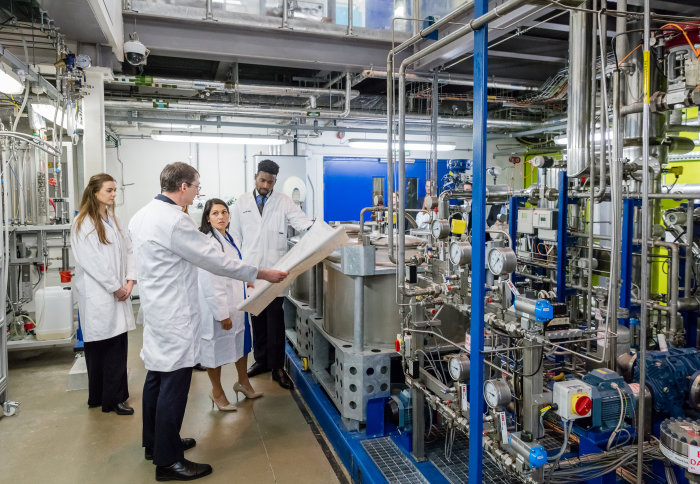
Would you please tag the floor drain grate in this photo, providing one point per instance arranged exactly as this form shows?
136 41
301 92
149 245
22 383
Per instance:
393 464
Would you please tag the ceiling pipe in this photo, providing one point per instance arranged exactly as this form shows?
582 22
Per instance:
233 110
452 79
228 88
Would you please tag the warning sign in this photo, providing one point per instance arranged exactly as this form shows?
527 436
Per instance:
694 459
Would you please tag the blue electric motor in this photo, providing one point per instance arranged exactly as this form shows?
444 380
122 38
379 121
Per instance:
669 378
607 404
456 173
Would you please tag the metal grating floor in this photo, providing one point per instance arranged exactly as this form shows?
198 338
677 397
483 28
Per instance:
393 464
456 471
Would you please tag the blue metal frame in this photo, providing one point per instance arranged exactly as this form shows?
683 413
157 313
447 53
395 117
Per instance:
561 235
476 355
628 205
347 445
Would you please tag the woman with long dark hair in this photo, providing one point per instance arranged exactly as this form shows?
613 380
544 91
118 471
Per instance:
104 278
225 331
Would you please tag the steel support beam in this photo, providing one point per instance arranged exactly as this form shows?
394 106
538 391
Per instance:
528 57
476 331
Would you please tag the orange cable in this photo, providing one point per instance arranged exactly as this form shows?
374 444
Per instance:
696 52
630 53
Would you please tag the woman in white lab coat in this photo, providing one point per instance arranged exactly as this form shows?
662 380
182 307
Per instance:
225 332
104 278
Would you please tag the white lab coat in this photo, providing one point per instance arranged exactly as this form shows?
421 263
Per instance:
101 269
263 238
168 249
218 298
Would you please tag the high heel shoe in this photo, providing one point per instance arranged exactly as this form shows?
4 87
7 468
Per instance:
237 387
231 407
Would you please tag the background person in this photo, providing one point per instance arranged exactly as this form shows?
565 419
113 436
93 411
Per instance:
259 221
168 249
225 330
104 278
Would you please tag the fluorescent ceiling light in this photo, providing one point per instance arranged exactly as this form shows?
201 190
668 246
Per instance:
370 144
219 138
10 82
48 111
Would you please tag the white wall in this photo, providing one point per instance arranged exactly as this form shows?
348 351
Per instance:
221 169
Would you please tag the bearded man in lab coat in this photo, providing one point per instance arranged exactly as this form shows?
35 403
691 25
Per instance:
168 249
259 222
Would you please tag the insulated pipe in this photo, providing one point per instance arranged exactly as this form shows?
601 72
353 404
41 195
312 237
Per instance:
358 328
451 79
579 94
645 220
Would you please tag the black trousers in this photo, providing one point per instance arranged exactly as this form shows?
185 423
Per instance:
268 335
106 366
164 401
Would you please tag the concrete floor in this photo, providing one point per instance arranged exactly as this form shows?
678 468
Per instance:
56 438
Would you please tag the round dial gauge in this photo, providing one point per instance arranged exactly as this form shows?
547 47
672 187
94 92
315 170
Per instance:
459 368
460 253
497 393
440 229
501 260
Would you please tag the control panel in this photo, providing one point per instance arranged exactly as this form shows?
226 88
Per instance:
573 399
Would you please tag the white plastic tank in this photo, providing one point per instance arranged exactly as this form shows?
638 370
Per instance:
54 313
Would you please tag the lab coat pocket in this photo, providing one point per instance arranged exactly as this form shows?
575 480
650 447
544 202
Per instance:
281 239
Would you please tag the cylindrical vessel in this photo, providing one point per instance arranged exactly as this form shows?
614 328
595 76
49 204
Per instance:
579 93
382 321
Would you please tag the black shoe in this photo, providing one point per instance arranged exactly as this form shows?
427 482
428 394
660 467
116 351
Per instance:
182 471
94 405
187 444
257 369
281 377
199 367
120 409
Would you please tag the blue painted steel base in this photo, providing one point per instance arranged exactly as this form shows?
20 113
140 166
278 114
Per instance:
348 445
562 235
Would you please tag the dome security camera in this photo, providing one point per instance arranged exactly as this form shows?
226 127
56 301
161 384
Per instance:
135 52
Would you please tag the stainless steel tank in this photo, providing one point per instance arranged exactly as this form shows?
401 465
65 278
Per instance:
381 313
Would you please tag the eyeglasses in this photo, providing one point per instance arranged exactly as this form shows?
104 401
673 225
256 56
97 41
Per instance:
199 187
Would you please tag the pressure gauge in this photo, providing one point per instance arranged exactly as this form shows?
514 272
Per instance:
459 368
440 229
497 393
502 260
460 253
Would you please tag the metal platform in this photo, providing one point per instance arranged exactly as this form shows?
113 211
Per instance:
395 467
33 343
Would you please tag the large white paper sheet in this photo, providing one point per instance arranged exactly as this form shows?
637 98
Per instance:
317 244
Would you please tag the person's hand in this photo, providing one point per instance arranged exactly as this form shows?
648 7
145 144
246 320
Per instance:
249 285
226 324
129 287
271 275
120 294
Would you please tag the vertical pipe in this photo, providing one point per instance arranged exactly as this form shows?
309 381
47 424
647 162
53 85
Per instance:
285 13
645 238
389 150
320 268
476 330
561 235
209 11
689 248
350 16
358 329
400 219
579 93
434 136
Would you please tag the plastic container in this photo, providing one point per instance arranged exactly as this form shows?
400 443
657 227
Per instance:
54 313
